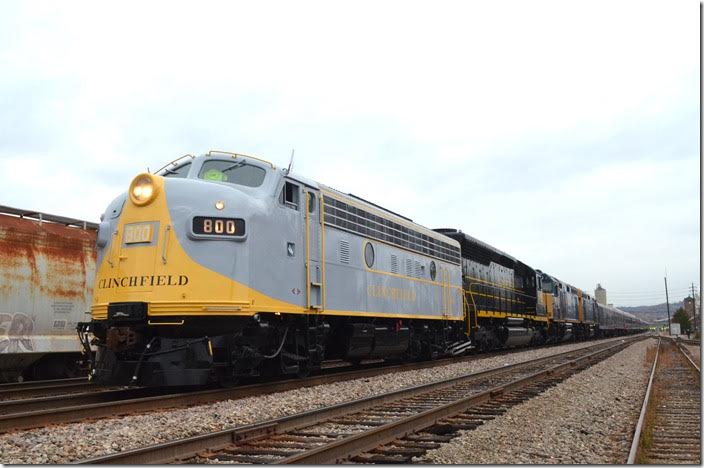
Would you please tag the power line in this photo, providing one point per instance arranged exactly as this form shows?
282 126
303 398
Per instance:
620 293
647 292
633 296
675 292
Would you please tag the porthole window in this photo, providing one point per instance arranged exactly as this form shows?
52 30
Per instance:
369 254
433 270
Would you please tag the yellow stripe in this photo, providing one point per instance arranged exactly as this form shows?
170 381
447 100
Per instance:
499 297
500 314
494 284
355 313
410 278
180 322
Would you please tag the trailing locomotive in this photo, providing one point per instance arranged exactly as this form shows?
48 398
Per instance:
223 266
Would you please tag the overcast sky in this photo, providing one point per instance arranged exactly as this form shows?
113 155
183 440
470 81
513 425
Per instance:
564 133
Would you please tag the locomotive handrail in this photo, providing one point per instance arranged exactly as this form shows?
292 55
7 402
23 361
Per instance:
490 283
474 304
235 155
500 298
166 243
111 254
174 162
41 217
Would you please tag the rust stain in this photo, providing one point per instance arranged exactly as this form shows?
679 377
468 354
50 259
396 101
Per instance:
45 258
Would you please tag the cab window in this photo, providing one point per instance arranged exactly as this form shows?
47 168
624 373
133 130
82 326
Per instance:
232 172
289 195
179 172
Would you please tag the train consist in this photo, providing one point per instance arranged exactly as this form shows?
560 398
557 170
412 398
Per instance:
223 266
47 268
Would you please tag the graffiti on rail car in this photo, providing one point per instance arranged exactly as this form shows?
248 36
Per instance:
16 333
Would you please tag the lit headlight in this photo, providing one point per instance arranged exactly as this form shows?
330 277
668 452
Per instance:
142 189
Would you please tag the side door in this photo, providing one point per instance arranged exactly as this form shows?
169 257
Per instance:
314 239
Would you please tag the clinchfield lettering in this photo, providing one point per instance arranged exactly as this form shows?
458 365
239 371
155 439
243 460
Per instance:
141 281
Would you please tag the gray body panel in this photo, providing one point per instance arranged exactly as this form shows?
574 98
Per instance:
261 259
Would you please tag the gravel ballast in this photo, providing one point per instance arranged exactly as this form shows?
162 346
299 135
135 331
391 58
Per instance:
589 418
69 442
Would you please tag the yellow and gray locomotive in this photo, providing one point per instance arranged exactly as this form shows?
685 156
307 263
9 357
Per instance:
223 266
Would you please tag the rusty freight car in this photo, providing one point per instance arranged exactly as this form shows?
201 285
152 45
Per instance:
47 268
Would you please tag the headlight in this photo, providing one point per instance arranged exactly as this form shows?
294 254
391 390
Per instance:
143 189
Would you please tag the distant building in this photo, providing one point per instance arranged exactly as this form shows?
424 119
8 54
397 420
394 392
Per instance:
690 303
600 294
689 307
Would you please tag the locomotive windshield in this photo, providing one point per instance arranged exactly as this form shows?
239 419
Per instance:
232 172
548 285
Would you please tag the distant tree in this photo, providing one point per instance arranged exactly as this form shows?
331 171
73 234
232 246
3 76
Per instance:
682 318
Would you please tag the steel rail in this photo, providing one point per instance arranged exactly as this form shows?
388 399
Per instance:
679 342
643 410
689 342
37 384
189 447
59 389
689 359
100 395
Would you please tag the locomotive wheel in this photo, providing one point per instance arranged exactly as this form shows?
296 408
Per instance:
229 382
304 369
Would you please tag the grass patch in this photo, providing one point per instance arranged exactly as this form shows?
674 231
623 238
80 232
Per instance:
646 434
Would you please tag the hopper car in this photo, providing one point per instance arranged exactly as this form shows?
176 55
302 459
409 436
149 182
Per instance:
47 268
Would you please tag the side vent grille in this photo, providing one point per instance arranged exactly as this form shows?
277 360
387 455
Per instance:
409 267
416 266
344 251
394 264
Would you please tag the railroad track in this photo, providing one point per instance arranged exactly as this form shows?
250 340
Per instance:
689 342
107 402
392 427
669 428
41 387
19 414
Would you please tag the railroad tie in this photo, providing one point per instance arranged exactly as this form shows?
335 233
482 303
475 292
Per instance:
377 458
417 444
427 437
357 422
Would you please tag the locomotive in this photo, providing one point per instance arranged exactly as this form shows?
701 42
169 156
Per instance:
223 266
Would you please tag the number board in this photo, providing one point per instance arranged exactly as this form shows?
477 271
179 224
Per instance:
211 226
138 233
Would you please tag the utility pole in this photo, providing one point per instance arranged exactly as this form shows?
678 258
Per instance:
694 310
667 298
